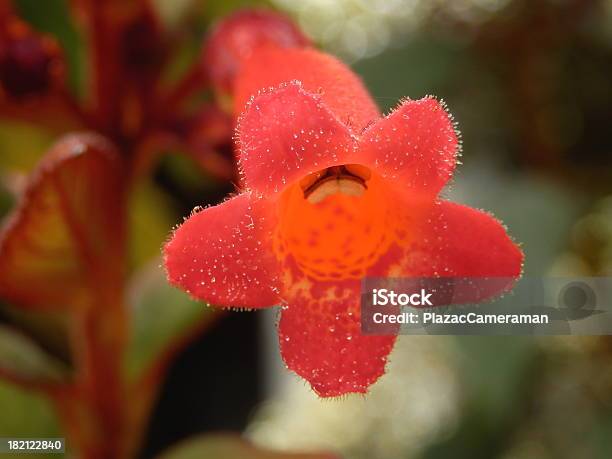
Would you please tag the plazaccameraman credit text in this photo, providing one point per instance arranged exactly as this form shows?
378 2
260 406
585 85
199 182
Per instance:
426 318
384 297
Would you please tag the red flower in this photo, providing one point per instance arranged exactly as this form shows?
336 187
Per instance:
332 192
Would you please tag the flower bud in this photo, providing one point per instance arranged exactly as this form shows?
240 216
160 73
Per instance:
236 37
30 63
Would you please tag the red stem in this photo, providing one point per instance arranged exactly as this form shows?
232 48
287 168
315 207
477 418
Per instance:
76 110
44 387
99 346
105 69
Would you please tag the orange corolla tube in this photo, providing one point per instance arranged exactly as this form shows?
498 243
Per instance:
332 192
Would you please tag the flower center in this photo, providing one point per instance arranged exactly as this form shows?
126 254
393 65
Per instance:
348 179
336 223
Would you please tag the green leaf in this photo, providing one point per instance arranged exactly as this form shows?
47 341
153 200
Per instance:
6 200
214 11
385 75
21 145
227 446
162 317
174 12
50 330
22 358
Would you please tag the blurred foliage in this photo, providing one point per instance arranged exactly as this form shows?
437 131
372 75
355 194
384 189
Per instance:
590 247
21 146
151 216
6 199
215 10
425 65
21 357
493 406
229 447
48 329
55 19
533 199
190 185
162 317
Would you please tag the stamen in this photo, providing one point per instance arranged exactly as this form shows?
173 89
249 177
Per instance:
311 179
349 179
331 187
359 171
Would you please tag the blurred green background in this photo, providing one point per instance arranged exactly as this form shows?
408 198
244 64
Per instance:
529 83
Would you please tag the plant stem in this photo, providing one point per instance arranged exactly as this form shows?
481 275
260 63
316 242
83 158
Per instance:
99 340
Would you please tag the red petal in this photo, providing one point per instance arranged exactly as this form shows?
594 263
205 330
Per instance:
340 89
222 255
288 133
416 145
471 243
452 240
320 339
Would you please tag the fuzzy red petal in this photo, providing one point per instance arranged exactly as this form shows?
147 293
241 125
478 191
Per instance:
286 134
222 255
340 89
452 240
415 145
468 242
320 339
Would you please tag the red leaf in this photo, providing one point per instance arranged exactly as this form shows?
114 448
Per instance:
66 236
